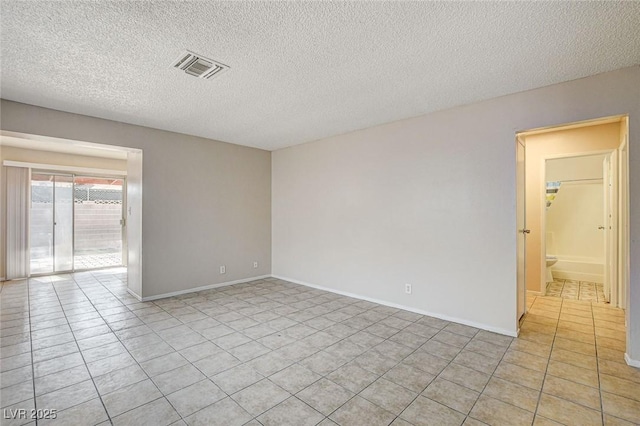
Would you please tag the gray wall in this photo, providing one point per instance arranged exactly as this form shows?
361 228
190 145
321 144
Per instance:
431 201
428 201
205 203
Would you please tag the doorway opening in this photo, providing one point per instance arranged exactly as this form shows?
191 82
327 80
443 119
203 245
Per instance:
578 226
69 206
572 213
76 222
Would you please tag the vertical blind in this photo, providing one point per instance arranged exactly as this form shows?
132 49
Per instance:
17 262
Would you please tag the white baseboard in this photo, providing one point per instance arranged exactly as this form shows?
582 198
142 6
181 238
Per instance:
206 287
535 293
405 308
2 279
631 362
134 294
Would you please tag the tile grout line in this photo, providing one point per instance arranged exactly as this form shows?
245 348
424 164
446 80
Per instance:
345 338
33 373
316 331
59 356
597 367
178 352
242 363
395 365
324 376
274 350
491 377
189 362
81 354
579 285
430 382
129 353
379 376
595 338
3 284
435 376
238 296
544 377
208 340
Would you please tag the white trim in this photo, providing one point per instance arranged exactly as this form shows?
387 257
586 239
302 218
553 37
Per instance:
631 362
536 293
71 142
206 287
581 182
58 168
406 308
574 125
594 153
134 294
2 279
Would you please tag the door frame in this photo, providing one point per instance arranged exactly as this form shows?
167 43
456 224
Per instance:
612 220
623 200
543 217
99 173
521 231
623 217
123 178
134 187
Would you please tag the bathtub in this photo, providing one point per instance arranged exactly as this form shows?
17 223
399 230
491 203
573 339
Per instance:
579 269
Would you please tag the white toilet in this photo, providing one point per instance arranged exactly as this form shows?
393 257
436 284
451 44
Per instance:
551 260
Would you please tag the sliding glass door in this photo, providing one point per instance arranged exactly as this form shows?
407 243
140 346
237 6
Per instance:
51 230
98 222
63 223
76 222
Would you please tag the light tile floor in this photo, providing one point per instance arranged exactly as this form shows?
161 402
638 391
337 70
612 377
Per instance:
44 263
576 290
275 353
97 260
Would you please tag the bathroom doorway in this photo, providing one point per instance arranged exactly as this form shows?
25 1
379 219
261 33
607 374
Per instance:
578 212
603 142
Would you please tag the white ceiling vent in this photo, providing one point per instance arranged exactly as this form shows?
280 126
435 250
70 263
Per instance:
199 66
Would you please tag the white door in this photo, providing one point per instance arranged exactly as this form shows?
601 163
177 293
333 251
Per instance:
610 187
521 227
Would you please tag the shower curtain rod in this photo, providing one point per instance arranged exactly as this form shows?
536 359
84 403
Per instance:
576 180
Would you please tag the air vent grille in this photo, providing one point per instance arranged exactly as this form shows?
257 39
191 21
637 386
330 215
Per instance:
199 66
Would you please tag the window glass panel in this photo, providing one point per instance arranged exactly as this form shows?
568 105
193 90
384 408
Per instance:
98 228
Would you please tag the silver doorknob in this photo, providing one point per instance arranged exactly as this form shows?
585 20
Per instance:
525 231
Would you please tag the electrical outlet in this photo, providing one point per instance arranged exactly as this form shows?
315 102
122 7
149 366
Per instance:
223 269
407 288
255 264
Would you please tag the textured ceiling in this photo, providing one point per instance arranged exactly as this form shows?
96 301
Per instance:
300 71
